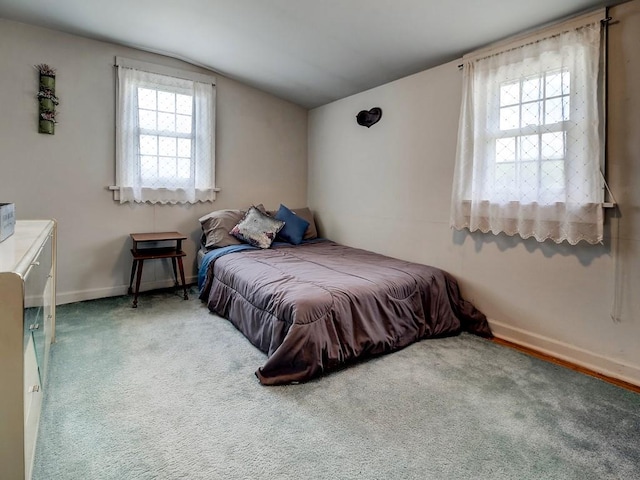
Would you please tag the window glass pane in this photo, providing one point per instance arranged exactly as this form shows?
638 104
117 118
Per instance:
566 111
553 86
552 175
183 124
149 167
553 111
148 145
509 118
184 168
167 146
506 149
166 101
509 94
528 185
505 174
529 147
147 98
531 114
147 119
167 167
531 89
566 83
184 104
166 122
552 145
184 147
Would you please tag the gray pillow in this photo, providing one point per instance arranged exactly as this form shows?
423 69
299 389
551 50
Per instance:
305 213
216 226
257 229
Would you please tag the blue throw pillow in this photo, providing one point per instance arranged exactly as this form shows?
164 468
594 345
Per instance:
294 226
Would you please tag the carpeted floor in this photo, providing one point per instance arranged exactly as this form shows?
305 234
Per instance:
167 391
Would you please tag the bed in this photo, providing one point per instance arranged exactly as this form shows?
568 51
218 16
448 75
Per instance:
319 305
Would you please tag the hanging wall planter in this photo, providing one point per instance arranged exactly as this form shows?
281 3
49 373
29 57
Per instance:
47 99
46 126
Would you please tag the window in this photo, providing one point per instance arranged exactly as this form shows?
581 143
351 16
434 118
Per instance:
529 148
165 135
530 143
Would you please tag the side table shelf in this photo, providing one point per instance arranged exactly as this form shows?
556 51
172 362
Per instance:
175 253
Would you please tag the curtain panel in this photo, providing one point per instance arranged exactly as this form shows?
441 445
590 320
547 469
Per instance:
529 145
164 154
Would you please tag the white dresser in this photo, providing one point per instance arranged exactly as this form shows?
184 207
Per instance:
27 328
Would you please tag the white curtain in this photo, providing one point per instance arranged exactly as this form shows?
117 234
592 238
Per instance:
529 148
165 138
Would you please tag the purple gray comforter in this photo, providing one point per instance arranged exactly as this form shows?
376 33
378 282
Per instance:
316 306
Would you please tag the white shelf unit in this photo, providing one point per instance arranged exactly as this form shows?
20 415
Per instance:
27 329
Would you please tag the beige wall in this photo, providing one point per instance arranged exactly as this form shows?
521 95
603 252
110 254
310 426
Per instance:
388 189
261 157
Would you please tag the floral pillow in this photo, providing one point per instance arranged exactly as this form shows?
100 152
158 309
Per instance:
257 229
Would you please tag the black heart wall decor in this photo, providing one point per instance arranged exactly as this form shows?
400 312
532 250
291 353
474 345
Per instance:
368 118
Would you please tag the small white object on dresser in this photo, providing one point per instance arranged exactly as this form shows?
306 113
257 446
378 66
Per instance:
27 329
7 220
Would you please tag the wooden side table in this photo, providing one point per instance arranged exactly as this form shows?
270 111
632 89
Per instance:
152 253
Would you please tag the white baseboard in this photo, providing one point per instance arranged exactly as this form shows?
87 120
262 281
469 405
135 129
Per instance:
82 295
569 353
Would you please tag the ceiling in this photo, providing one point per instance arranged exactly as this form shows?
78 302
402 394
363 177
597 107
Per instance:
308 52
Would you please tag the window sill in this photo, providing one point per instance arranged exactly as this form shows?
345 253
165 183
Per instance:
116 191
604 204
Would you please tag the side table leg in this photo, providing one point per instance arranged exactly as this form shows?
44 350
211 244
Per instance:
133 271
175 272
138 278
184 285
